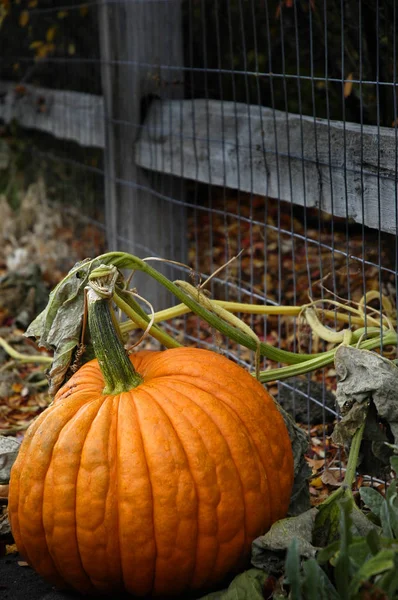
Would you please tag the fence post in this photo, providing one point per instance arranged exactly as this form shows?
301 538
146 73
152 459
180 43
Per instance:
141 58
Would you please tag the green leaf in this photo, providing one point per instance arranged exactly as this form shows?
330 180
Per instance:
373 540
391 500
311 580
381 562
328 553
317 585
386 521
361 525
389 581
326 528
292 568
372 498
394 462
343 565
359 552
391 490
246 586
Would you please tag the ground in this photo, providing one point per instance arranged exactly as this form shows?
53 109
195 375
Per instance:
22 583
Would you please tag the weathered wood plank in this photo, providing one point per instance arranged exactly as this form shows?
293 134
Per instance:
280 155
251 148
66 115
139 40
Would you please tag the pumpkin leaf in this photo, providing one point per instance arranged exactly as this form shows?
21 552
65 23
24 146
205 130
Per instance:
246 586
58 327
389 581
326 526
268 551
394 461
372 498
367 379
361 524
345 429
381 562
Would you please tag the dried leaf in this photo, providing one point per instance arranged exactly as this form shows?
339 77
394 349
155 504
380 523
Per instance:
315 464
44 50
348 85
59 326
329 478
345 429
5 527
50 34
246 586
268 551
367 389
24 18
36 44
317 482
4 489
299 500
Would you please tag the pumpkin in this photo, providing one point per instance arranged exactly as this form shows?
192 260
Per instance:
158 483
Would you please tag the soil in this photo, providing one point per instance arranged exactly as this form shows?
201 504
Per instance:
22 583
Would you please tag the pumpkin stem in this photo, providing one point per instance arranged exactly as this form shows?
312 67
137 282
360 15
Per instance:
119 373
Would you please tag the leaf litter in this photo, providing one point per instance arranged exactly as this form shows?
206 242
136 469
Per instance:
21 401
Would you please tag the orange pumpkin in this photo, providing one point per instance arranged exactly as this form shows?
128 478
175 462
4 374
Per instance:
155 489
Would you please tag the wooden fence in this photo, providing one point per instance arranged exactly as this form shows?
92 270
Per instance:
345 169
341 168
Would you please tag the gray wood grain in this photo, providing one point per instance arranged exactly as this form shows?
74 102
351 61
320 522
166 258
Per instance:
72 116
344 170
142 55
254 149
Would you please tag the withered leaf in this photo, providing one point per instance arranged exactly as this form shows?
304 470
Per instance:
246 586
268 551
367 389
58 327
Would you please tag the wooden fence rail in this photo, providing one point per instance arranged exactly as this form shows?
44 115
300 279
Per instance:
344 169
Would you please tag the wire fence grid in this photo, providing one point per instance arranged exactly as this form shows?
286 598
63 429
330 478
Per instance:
222 126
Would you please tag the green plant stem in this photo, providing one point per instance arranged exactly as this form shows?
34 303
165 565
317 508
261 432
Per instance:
116 367
322 360
250 309
122 261
127 304
350 473
25 358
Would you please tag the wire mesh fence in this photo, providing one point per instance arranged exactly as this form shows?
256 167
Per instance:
200 130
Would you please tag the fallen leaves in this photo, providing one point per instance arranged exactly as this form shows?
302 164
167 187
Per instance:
4 488
38 245
348 85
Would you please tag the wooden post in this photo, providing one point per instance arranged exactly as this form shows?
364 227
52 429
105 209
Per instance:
142 58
